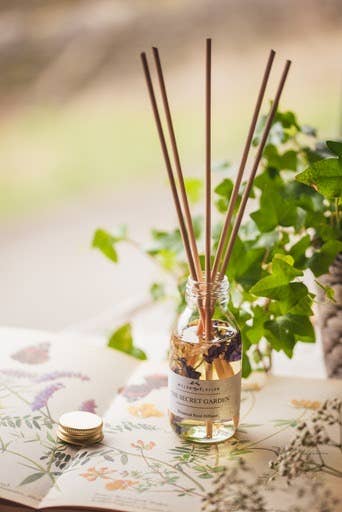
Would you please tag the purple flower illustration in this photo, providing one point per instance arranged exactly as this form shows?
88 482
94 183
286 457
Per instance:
61 375
22 374
33 354
18 374
43 397
88 406
134 392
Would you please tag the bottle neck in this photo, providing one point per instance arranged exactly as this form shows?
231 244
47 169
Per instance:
199 292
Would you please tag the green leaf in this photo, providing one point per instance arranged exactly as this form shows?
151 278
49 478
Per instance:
157 291
50 438
166 240
282 274
32 478
298 251
287 329
275 209
105 242
328 290
124 459
325 176
194 189
285 161
321 260
224 191
256 331
245 263
246 366
335 146
122 340
197 223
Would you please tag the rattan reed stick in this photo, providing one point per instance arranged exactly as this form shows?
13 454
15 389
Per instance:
251 177
208 187
171 177
235 191
209 370
183 194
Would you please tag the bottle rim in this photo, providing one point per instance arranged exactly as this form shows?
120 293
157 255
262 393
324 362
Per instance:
218 289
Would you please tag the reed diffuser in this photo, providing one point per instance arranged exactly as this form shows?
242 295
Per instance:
205 350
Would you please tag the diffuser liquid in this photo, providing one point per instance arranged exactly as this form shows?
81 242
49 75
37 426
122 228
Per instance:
204 383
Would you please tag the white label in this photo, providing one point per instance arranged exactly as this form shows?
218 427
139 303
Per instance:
204 399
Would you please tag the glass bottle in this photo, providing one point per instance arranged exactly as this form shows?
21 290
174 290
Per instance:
205 375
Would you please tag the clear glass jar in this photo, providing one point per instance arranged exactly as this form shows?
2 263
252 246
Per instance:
205 375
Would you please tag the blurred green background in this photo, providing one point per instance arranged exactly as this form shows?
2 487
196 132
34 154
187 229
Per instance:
78 146
74 107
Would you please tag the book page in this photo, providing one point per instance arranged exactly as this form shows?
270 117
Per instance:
42 376
143 466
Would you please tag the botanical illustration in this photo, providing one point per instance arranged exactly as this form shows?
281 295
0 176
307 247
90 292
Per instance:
140 456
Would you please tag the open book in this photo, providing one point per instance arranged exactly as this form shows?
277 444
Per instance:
141 465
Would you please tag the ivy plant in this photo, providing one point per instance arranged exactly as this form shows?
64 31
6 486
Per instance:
294 226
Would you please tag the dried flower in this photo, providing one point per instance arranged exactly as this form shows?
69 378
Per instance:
187 369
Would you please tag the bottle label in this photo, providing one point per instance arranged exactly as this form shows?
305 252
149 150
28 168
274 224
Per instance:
215 400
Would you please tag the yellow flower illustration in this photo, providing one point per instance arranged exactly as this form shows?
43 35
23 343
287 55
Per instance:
306 404
144 411
93 474
117 485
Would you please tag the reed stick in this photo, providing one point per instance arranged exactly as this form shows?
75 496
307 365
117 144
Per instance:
235 191
251 177
171 177
208 376
183 194
208 187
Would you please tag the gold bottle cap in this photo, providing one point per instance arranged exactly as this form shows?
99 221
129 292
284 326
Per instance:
80 428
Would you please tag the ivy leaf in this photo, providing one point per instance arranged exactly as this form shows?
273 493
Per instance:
325 176
275 210
245 263
282 274
298 250
224 191
166 240
287 160
256 331
321 260
122 340
106 243
246 366
287 329
157 291
197 223
194 189
335 146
